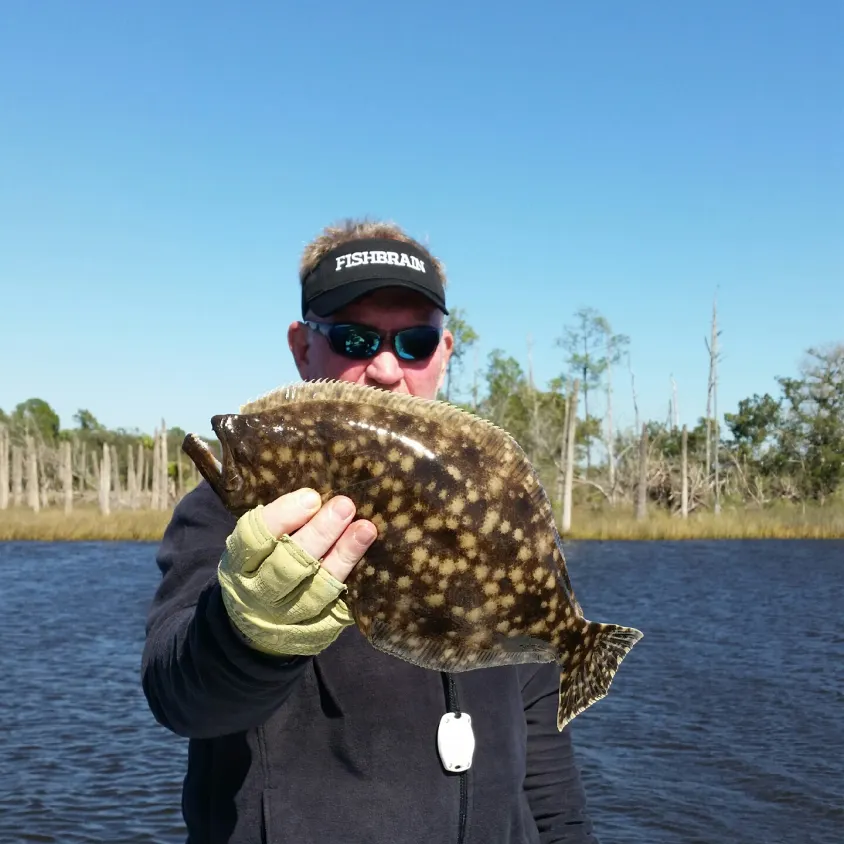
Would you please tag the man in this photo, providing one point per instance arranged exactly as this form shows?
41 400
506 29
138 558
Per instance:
299 730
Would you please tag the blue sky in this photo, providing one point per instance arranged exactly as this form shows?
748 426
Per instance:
163 164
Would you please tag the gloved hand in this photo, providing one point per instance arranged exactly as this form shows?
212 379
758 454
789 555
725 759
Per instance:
275 590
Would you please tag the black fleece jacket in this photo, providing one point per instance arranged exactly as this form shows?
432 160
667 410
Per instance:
341 748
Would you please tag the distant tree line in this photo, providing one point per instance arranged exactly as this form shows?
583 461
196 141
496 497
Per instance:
787 447
44 465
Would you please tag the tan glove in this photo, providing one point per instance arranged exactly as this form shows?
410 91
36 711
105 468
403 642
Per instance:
277 595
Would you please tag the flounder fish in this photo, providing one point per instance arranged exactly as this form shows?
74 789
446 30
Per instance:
468 569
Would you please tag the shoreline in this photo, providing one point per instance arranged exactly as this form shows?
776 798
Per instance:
88 525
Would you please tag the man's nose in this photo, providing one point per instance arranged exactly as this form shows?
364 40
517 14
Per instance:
384 368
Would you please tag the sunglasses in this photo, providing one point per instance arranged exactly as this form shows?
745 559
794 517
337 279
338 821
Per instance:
362 342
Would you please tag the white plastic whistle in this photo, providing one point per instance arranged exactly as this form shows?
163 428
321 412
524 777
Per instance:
456 742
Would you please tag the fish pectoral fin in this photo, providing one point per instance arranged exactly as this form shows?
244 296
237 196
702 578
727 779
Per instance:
590 670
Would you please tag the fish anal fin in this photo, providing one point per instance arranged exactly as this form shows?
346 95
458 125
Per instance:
591 669
440 654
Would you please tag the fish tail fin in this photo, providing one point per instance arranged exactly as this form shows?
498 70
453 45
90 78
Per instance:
589 664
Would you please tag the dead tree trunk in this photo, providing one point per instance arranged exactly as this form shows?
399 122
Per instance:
642 492
131 478
141 475
116 486
163 465
4 468
571 430
105 481
74 464
561 470
44 486
95 472
67 475
33 493
532 394
156 471
709 426
712 400
635 397
610 431
715 332
684 470
17 476
83 468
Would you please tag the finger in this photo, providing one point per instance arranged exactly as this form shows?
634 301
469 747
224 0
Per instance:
325 527
289 512
349 548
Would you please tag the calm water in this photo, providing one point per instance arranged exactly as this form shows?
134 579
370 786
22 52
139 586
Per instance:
725 724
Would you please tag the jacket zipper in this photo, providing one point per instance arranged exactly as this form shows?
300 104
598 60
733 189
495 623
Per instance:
454 706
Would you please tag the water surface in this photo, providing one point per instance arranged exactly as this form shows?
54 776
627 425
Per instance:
725 723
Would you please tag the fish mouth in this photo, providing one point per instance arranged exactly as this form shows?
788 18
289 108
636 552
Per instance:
230 479
203 458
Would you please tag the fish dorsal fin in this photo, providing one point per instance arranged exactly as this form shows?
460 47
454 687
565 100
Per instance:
433 410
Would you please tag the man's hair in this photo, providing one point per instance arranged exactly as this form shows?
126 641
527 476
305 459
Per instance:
348 230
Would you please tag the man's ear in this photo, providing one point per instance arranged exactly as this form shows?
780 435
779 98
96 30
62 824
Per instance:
300 345
448 349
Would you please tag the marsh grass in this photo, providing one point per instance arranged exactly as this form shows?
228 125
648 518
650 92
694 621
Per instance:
782 522
82 525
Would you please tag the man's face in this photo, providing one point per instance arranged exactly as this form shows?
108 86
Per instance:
387 310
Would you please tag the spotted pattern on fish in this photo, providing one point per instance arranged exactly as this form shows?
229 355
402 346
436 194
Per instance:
468 569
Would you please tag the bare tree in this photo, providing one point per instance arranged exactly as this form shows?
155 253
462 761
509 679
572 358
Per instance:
17 475
131 478
642 491
67 474
684 469
636 425
164 466
571 430
533 398
4 467
33 493
616 344
584 341
712 405
105 481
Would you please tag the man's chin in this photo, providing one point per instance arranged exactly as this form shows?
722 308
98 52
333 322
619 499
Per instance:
397 388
